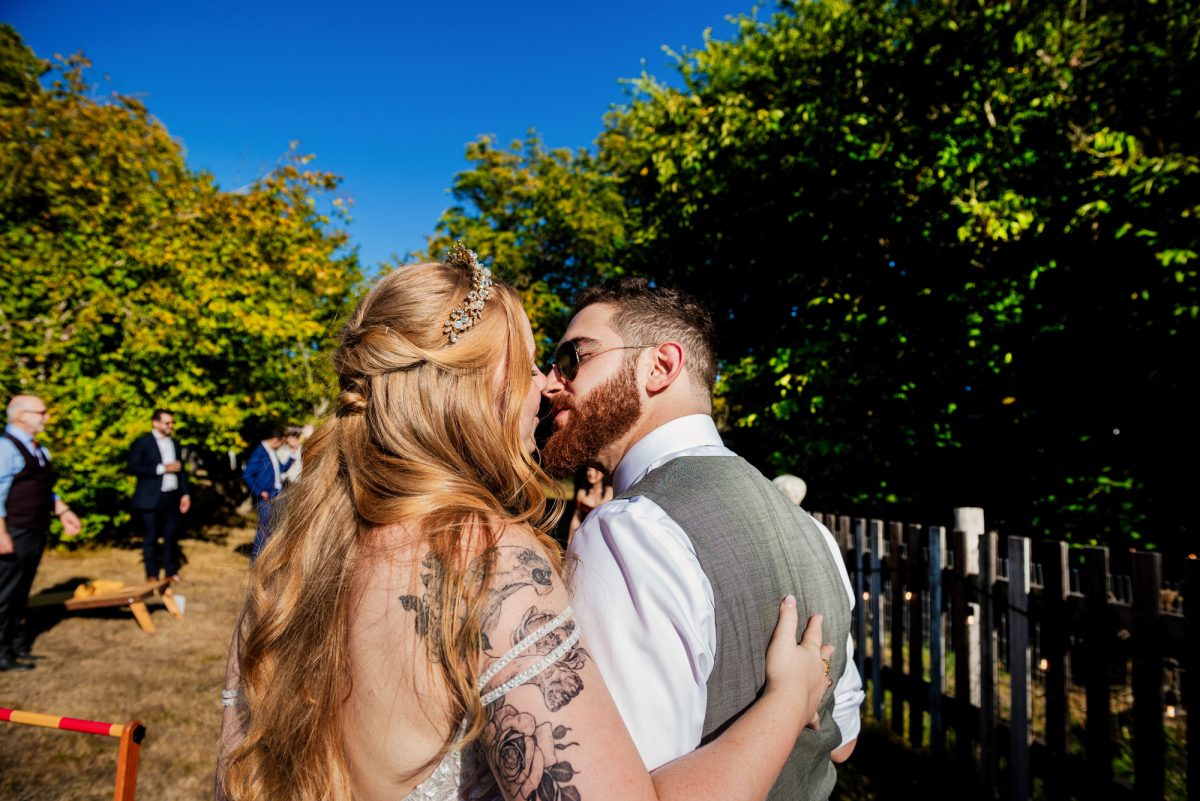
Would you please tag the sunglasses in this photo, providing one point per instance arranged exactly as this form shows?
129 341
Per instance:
567 357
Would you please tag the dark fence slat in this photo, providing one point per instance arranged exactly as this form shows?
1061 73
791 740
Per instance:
1056 585
860 606
1149 740
896 577
937 653
916 639
1019 668
1191 676
842 533
875 590
1098 636
988 660
960 613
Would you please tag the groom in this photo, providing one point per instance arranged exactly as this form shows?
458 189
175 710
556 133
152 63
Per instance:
679 578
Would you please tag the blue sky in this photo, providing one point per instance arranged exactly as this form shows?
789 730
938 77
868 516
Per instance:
386 95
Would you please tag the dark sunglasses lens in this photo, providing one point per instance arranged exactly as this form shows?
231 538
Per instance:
566 358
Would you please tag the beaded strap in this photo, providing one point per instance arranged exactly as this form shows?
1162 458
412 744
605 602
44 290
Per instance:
520 648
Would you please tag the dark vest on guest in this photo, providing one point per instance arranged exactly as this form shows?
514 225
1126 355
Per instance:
755 546
31 497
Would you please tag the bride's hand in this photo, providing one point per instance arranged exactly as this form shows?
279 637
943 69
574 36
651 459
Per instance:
798 669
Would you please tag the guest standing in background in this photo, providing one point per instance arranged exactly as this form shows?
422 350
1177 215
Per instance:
27 500
592 491
264 476
162 495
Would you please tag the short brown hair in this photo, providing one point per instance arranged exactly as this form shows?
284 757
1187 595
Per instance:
647 313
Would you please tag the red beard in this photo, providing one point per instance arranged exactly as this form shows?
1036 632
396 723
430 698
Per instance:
605 415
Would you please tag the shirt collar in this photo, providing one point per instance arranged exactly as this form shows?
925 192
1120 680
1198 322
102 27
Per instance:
157 435
657 447
21 434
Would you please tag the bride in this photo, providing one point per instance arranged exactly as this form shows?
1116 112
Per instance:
408 633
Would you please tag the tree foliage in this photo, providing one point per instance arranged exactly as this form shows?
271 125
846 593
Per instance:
129 281
951 248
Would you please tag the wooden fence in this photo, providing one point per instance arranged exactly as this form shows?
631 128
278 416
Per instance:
1014 657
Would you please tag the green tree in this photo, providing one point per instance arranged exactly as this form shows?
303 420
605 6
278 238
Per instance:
951 249
129 281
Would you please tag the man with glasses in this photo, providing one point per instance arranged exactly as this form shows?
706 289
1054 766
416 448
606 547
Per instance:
679 577
27 501
161 496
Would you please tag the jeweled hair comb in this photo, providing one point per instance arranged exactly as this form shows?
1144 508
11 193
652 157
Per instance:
463 318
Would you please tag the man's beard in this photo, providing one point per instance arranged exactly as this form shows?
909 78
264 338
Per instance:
605 415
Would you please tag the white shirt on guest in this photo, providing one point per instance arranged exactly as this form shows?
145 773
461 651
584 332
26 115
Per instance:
166 449
646 607
274 465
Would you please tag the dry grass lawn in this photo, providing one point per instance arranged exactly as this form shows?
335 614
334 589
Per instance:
99 665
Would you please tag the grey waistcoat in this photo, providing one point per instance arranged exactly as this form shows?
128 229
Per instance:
755 546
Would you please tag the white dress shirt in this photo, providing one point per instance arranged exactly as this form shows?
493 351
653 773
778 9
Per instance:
646 608
166 450
274 465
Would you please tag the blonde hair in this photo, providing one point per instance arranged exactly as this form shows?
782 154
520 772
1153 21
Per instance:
425 431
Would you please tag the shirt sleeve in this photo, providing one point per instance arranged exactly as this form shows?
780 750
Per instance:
848 694
11 463
645 610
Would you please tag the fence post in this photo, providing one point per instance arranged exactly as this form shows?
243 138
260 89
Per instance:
937 654
960 613
860 605
1191 681
1097 635
1019 668
896 572
916 640
1149 741
842 532
987 659
877 623
969 520
1055 587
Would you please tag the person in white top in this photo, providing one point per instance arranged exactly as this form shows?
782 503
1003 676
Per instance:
631 392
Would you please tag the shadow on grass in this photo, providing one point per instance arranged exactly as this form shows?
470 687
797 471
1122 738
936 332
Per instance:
46 609
885 768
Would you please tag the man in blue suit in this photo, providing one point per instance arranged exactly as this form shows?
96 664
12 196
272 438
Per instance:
162 494
264 476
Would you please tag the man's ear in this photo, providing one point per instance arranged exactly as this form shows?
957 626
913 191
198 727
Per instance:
666 365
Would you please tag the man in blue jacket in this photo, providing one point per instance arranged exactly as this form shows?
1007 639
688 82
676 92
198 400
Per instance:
264 476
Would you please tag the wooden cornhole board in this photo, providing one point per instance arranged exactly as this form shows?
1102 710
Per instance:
132 595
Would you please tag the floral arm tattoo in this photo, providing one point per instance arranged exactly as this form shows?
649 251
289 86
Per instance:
526 751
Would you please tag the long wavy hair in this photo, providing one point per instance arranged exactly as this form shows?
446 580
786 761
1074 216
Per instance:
428 433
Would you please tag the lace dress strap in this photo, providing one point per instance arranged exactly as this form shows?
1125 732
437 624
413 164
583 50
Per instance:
537 667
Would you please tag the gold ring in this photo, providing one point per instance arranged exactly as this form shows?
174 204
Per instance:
826 661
